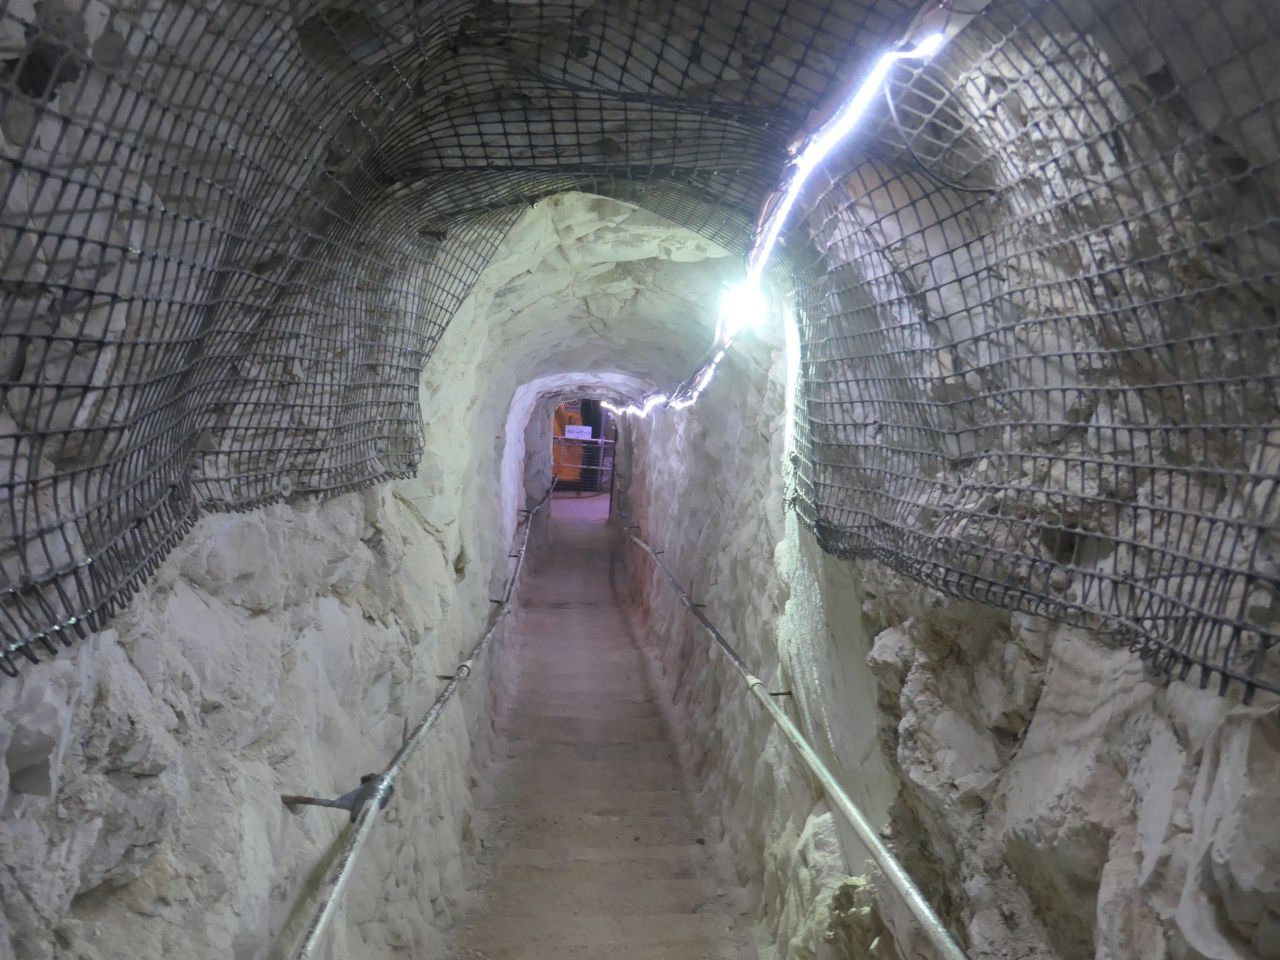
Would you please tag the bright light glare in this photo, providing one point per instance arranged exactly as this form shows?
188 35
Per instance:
645 408
926 47
744 307
823 142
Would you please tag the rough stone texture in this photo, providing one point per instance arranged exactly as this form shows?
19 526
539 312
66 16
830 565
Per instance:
237 229
287 650
279 651
1075 808
583 292
1053 801
1010 394
706 485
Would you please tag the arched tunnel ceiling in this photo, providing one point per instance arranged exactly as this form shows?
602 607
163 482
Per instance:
233 234
251 222
614 97
584 296
585 284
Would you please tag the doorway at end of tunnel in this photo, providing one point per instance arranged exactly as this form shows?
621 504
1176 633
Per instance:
583 435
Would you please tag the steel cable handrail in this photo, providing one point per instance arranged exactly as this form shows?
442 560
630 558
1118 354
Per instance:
375 798
889 865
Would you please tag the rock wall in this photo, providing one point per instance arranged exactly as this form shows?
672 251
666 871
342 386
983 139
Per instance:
1059 803
1073 807
279 651
289 649
235 231
1058 395
706 485
1052 799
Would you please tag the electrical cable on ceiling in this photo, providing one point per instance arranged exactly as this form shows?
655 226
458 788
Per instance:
745 306
924 167
218 305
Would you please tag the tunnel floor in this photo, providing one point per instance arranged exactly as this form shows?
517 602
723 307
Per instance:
590 847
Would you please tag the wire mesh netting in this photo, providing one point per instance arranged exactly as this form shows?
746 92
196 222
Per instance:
233 232
1038 299
1042 369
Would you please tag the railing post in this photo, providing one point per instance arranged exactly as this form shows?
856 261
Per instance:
890 867
378 787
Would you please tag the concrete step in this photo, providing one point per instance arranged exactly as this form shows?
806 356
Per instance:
595 638
612 751
589 848
598 626
585 894
559 774
595 612
560 729
589 678
588 706
566 692
695 856
600 802
553 667
594 865
705 949
531 830
603 934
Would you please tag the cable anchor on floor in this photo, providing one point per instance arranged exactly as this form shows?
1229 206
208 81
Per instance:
352 801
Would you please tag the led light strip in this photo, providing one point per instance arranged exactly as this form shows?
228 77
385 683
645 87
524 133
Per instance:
643 410
819 147
746 306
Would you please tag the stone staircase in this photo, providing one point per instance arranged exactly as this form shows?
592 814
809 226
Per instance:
590 848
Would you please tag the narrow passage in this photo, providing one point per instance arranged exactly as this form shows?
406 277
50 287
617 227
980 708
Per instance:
590 845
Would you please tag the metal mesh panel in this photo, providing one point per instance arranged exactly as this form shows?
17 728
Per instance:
1038 301
233 232
1042 368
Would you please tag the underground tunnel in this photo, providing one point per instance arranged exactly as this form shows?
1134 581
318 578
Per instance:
670 480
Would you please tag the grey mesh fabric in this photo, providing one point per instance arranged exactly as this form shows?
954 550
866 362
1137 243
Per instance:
1036 292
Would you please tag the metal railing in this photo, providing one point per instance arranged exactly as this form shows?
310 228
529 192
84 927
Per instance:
946 945
582 464
374 793
366 801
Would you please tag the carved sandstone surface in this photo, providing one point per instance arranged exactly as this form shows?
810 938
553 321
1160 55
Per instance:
273 652
1074 808
706 486
1054 802
286 650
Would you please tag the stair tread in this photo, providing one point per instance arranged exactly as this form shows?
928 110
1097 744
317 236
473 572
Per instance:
589 846
570 729
692 853
529 830
620 751
639 893
600 932
710 948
